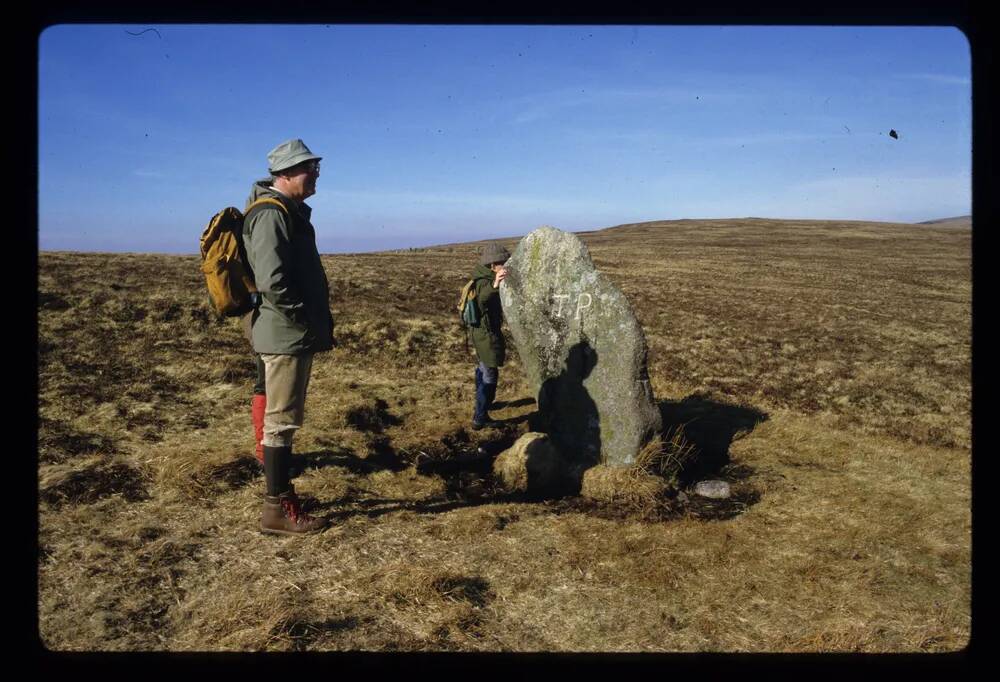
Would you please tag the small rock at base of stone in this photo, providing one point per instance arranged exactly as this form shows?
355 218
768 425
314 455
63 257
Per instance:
714 489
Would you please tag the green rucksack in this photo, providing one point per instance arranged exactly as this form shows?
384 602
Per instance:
467 308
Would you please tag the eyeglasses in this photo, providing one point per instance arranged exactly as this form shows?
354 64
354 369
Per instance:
310 167
305 167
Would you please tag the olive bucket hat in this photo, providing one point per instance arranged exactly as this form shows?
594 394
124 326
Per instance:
493 253
288 154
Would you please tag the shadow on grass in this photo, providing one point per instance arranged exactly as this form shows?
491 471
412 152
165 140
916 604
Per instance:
381 456
520 402
711 427
466 466
373 417
373 508
303 633
514 421
454 453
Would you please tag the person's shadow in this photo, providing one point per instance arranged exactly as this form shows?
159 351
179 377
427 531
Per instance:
567 412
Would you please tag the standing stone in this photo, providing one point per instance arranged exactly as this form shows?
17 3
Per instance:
582 349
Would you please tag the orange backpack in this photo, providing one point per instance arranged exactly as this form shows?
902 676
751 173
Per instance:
224 261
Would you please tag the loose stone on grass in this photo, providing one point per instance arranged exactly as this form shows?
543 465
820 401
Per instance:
715 489
532 464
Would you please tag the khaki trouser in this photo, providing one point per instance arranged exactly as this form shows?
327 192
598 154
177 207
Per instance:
286 378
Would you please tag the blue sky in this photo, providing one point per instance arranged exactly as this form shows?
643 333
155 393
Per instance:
436 134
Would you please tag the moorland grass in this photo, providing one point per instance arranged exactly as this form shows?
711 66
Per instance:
822 368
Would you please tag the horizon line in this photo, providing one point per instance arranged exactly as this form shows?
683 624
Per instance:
520 236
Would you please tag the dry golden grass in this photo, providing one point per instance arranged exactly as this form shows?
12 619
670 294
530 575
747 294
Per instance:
822 369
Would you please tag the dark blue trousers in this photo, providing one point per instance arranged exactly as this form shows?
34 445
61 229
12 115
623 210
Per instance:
486 391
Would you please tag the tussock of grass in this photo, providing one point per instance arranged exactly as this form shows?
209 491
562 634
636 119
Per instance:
624 486
644 486
405 485
667 454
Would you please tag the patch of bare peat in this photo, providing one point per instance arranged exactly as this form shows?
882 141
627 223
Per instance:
505 520
453 636
156 386
235 474
303 633
379 454
472 589
467 467
97 482
150 533
126 312
44 554
58 441
171 313
149 618
373 417
50 301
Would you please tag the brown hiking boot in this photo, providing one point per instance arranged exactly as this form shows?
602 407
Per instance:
283 515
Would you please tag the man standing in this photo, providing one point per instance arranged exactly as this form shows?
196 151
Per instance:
487 338
291 323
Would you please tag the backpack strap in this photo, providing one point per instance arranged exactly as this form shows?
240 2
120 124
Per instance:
242 247
265 200
468 293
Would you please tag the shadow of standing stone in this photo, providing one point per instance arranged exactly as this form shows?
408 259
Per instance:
711 427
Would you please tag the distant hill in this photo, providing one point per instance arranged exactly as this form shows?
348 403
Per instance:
747 222
957 221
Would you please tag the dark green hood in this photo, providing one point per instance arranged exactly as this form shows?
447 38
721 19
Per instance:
483 272
487 338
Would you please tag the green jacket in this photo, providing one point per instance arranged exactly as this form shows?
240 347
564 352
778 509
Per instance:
294 315
487 338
